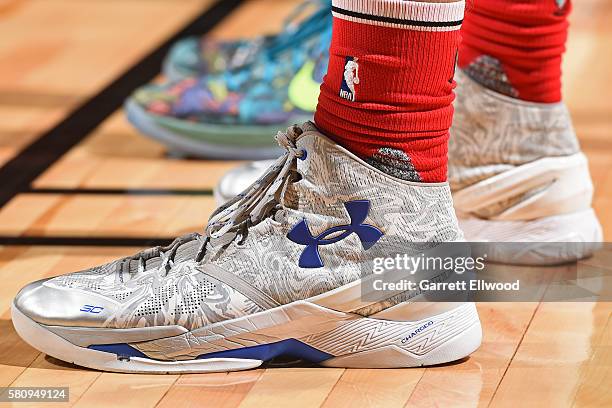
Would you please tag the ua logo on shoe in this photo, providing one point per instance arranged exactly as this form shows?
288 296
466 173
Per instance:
358 211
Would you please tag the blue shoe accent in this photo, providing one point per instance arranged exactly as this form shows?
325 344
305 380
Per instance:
357 211
290 347
120 349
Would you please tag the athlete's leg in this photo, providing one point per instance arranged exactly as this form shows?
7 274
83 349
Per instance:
388 92
515 47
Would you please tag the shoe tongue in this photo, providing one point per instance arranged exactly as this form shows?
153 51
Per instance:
185 252
309 127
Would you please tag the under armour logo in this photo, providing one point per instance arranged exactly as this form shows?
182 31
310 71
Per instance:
358 211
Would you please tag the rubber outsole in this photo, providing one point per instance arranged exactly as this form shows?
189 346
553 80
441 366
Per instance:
55 346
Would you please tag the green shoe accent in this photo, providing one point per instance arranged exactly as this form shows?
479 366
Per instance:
303 89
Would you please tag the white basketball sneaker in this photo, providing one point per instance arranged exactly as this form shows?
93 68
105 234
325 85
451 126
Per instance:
280 271
517 174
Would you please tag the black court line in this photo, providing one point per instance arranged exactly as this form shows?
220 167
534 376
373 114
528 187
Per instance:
17 175
121 191
84 241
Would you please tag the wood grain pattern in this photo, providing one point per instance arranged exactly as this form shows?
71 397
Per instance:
106 215
374 388
219 390
308 387
54 54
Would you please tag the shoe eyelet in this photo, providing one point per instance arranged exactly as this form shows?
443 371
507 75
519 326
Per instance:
304 154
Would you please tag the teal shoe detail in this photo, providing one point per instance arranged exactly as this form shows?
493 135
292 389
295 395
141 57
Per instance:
239 109
195 56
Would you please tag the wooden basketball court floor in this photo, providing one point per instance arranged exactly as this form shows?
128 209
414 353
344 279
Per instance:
80 187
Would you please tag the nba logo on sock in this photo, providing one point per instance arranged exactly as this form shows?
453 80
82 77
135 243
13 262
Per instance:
350 79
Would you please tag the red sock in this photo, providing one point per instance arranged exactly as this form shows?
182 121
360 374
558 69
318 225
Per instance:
514 46
388 92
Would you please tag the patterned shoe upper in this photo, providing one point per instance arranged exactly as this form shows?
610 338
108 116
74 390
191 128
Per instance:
282 82
493 133
320 188
202 56
312 223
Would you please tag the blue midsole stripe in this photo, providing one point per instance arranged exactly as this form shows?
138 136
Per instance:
289 347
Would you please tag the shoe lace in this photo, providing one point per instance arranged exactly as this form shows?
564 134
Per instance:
293 27
233 219
264 197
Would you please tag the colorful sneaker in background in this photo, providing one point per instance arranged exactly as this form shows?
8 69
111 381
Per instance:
231 115
201 56
195 56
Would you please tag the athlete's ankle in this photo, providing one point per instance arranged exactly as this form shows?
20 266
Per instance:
388 92
514 47
493 133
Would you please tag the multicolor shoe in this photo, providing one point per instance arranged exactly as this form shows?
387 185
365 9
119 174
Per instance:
231 115
197 56
282 270
518 175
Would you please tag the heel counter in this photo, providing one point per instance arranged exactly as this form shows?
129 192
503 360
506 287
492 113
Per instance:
571 190
543 188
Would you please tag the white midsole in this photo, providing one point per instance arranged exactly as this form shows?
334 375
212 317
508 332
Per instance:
554 185
549 240
349 338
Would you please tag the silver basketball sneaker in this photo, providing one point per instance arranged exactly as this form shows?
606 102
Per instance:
283 269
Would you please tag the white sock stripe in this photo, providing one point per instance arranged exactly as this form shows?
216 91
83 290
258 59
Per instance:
395 25
402 14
